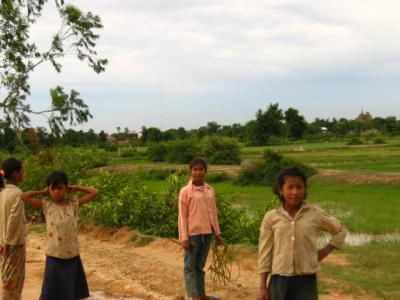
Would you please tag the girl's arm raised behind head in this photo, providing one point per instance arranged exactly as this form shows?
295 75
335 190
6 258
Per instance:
91 193
27 197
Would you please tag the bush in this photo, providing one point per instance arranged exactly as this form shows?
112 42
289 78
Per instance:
157 152
125 201
182 151
155 174
110 147
265 172
128 152
217 177
74 161
379 141
355 141
221 150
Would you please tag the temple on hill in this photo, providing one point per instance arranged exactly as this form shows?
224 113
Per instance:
364 116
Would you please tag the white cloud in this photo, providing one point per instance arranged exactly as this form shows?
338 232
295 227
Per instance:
207 46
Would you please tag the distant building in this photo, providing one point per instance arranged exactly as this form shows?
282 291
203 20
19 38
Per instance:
364 116
324 129
110 138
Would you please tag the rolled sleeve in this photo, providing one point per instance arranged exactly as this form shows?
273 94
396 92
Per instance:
335 228
265 246
183 215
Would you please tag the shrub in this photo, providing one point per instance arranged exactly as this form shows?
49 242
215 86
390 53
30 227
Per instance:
157 152
355 141
220 150
110 147
155 174
125 201
265 172
379 141
217 177
182 151
128 152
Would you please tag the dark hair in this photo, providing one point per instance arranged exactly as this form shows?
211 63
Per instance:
283 175
8 167
198 161
57 178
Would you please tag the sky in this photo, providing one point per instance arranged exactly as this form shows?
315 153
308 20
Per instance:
184 63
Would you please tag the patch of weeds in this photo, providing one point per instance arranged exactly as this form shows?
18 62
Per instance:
38 228
139 240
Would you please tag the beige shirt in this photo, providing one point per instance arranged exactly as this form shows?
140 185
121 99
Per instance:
197 211
62 229
12 216
288 246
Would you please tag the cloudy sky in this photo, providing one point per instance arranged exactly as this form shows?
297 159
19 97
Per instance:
186 62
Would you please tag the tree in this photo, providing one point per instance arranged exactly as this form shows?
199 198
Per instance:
295 124
19 57
266 125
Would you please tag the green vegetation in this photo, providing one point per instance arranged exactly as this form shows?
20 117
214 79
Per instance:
373 268
265 172
146 200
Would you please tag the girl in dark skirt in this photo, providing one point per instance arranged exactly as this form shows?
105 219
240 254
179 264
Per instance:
64 276
288 253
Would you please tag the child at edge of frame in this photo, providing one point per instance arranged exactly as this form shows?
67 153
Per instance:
198 223
64 276
288 255
12 230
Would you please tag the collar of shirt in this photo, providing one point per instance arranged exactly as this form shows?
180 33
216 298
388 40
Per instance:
304 207
192 186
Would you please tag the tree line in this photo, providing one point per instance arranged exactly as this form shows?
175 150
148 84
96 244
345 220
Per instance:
271 126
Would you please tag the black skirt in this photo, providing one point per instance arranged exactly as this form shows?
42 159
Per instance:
64 279
300 287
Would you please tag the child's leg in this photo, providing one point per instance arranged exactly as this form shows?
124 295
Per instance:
13 272
201 262
189 270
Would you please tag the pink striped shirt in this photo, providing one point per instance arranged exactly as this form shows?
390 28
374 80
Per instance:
197 211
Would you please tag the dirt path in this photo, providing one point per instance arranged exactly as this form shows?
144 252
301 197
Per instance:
118 267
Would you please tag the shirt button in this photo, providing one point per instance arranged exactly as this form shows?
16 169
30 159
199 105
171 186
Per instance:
293 238
292 222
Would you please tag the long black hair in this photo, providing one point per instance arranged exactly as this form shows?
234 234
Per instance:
283 175
8 167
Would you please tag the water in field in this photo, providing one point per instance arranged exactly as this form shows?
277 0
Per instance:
359 239
102 296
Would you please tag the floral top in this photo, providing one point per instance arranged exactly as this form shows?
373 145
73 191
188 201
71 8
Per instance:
62 229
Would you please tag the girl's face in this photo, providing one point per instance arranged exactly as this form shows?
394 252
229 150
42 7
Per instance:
57 193
293 191
18 176
198 172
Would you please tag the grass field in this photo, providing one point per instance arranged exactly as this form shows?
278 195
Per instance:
372 269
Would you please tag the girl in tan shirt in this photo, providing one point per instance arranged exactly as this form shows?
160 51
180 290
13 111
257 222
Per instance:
288 250
12 230
64 276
